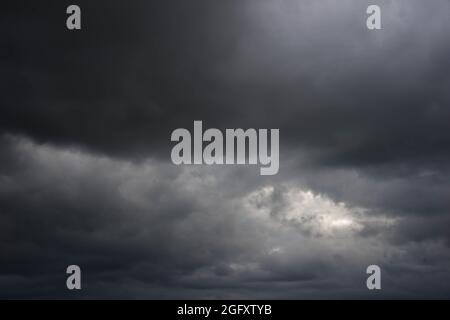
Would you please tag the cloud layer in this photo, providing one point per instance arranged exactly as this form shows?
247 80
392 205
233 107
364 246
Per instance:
86 176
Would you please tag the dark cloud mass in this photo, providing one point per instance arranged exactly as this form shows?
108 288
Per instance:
86 176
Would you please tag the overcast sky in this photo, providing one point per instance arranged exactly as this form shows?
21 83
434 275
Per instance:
86 176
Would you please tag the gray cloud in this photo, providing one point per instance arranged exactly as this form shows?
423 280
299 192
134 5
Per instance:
86 176
151 230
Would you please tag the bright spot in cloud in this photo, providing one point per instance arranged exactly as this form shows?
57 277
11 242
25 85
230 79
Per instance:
311 213
341 223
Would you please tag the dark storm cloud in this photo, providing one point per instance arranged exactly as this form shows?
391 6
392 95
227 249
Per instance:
363 118
137 71
145 230
125 81
59 207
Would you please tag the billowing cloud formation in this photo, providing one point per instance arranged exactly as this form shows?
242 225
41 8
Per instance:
147 230
86 176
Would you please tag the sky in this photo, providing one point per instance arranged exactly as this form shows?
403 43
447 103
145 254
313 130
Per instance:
86 176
